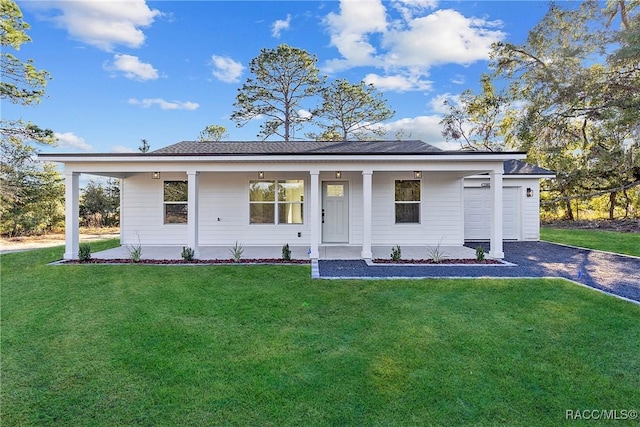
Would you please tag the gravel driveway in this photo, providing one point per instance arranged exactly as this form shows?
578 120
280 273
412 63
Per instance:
616 274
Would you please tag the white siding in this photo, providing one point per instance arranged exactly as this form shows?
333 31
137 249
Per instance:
440 211
222 195
529 208
143 221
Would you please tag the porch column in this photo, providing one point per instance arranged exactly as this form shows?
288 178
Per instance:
192 211
366 219
496 214
314 214
72 214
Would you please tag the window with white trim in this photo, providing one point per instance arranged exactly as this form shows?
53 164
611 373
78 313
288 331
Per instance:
175 202
407 201
276 202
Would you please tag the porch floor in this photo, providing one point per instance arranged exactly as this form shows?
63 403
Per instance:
329 252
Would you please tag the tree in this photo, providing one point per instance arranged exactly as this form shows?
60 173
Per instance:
285 77
30 192
351 111
576 110
213 133
100 204
31 201
475 121
21 82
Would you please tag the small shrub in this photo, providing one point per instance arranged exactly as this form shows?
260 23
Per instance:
236 252
396 253
436 253
188 254
135 253
84 252
286 252
480 253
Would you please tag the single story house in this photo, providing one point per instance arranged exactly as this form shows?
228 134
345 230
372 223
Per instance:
356 193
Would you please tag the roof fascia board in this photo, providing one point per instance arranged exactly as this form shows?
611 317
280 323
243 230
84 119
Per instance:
426 157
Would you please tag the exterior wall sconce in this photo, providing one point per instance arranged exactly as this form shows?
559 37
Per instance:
417 174
338 174
529 192
155 175
261 175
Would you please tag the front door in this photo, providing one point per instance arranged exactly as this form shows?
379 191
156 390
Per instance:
335 212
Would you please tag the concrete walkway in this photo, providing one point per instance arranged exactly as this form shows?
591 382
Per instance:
616 274
334 252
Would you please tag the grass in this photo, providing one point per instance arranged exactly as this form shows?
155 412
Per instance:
610 241
266 345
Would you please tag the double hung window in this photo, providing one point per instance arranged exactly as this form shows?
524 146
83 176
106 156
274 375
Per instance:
407 201
175 202
276 202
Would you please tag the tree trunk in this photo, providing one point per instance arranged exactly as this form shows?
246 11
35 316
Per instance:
569 214
612 203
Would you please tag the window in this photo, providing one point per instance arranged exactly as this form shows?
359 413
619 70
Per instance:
175 202
407 200
276 202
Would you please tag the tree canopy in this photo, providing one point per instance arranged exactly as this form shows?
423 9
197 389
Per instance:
284 79
576 85
31 194
351 111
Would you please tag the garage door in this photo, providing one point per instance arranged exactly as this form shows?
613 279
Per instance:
477 213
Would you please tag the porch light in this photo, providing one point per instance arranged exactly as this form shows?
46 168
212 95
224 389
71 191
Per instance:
338 174
155 175
529 192
261 175
417 174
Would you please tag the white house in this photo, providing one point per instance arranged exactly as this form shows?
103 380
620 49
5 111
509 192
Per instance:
313 194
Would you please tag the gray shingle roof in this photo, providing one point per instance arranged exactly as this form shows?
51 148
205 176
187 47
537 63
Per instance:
518 167
297 147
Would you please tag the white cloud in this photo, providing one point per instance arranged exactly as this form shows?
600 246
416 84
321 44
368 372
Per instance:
424 128
226 69
459 79
71 140
438 102
164 105
122 149
132 67
408 8
444 36
280 25
103 24
350 31
416 40
397 83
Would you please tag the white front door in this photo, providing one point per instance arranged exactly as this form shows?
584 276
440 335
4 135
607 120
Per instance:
335 212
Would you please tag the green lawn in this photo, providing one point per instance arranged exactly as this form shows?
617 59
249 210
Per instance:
266 345
610 241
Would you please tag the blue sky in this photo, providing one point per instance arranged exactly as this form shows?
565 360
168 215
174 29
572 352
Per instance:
163 70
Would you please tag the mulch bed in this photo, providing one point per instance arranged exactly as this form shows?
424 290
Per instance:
469 261
195 261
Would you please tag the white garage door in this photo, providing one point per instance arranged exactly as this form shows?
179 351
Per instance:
477 213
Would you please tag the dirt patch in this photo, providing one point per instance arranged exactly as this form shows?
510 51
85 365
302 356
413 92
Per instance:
620 225
25 243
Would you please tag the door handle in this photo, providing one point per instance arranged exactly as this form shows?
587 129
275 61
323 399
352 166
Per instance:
323 216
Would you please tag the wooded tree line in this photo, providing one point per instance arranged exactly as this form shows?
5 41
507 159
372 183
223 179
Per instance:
569 96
